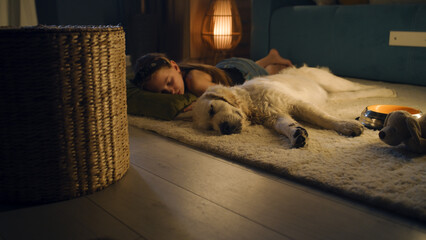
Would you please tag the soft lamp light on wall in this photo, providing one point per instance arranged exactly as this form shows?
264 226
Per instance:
222 25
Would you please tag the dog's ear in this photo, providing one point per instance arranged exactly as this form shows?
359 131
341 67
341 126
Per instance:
387 119
414 128
223 94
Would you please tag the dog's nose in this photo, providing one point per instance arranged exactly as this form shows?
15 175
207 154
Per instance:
226 128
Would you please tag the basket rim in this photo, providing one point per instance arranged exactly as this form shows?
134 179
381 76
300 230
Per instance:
62 28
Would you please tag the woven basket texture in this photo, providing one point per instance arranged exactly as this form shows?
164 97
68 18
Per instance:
63 121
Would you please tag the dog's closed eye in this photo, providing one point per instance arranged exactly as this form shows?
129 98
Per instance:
211 111
238 113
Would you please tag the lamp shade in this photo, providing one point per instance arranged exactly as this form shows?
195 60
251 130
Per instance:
222 25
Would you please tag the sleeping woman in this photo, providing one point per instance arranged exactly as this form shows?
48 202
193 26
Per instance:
154 72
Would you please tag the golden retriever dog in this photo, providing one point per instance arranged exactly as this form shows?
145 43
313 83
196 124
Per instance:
277 100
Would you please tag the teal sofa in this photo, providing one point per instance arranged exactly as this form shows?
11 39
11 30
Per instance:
352 40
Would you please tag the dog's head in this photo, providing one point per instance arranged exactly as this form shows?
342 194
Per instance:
221 109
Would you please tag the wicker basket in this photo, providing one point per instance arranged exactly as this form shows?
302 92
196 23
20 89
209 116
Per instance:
63 122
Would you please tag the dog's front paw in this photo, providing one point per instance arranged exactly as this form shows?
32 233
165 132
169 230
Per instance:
299 138
350 128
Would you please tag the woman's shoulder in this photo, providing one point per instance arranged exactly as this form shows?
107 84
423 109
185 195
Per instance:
198 74
207 72
198 81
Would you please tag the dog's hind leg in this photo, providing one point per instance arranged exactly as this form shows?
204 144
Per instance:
286 125
330 82
334 84
366 93
312 114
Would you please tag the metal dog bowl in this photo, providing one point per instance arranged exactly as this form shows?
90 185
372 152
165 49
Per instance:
374 116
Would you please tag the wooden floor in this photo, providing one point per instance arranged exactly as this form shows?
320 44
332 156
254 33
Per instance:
176 192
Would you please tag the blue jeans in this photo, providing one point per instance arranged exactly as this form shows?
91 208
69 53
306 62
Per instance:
248 68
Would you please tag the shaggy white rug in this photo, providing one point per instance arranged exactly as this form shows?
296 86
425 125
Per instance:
363 168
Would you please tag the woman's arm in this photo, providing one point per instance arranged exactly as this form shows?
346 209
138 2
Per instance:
197 82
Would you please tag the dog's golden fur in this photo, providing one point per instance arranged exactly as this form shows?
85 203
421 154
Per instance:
275 101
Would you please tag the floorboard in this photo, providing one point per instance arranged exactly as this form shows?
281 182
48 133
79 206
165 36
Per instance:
285 207
158 209
74 219
173 191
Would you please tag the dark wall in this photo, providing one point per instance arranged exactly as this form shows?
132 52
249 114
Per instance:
142 30
162 27
84 12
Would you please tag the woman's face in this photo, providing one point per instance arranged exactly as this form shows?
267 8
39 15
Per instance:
166 80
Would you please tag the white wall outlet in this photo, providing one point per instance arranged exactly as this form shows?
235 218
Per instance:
407 39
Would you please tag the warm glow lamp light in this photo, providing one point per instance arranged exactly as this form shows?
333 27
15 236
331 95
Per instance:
222 25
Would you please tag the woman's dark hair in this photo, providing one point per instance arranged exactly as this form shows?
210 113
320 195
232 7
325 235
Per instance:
152 62
147 65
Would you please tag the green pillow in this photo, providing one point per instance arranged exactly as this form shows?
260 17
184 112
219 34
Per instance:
156 105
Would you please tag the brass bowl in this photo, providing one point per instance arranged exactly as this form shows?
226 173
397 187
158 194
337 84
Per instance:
374 116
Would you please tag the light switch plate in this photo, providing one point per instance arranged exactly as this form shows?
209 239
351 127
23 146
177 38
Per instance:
408 39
